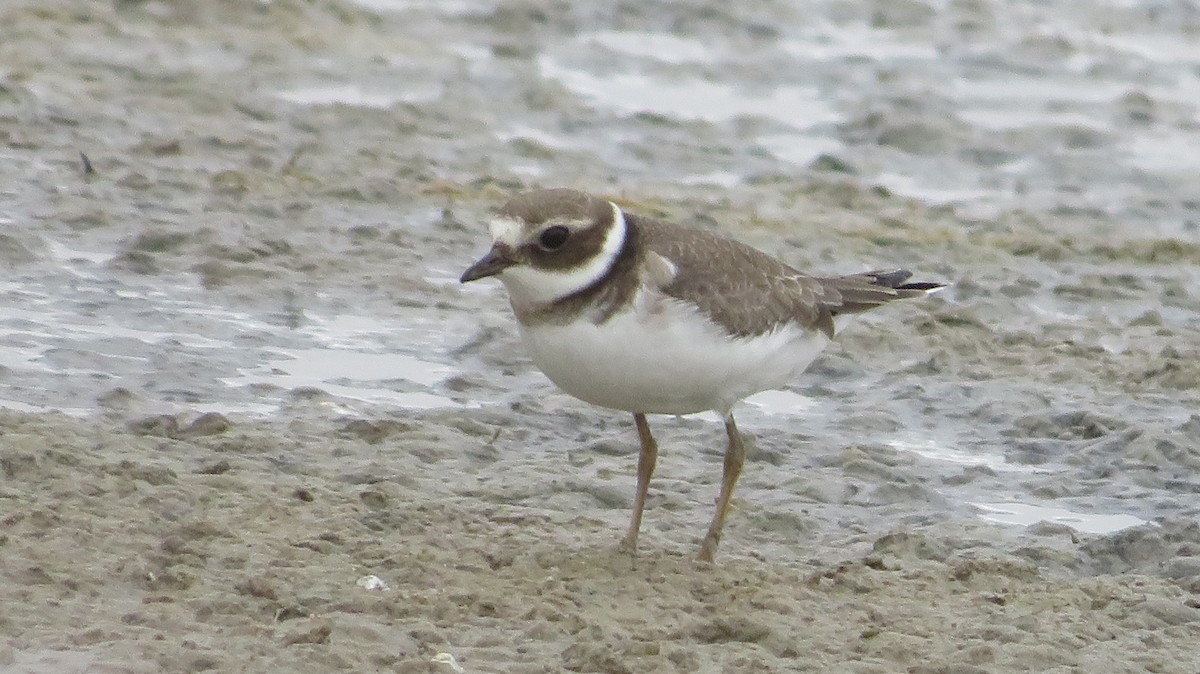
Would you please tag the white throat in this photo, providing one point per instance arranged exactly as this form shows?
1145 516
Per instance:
528 286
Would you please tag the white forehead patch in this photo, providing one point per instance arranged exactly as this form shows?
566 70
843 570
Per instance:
506 231
529 286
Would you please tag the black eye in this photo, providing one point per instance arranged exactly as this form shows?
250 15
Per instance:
553 238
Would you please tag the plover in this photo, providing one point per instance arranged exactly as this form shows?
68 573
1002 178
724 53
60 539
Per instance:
650 317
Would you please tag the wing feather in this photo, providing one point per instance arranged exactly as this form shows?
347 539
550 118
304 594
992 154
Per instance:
748 292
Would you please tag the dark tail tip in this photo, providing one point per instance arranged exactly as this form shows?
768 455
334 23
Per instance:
895 279
926 287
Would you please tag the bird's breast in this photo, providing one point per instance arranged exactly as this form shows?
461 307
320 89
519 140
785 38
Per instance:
663 356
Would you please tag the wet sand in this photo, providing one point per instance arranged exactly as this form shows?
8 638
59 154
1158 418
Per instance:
270 387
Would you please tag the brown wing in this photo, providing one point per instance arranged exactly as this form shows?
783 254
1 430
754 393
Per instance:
740 288
749 292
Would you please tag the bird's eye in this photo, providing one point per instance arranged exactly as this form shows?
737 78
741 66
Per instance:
553 238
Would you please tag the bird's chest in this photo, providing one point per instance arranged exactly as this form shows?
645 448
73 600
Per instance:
661 356
616 347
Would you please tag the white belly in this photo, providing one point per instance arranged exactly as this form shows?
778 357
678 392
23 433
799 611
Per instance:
661 357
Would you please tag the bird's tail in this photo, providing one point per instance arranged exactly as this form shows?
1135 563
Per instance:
857 293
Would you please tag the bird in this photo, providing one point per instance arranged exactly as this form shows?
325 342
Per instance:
646 316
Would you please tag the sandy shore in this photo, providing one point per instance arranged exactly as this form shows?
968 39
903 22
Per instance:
242 551
267 184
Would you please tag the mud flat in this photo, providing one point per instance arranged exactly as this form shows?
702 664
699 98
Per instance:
252 423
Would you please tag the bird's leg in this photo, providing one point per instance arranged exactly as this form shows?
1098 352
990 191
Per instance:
647 459
735 456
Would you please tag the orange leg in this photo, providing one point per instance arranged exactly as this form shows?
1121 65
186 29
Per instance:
647 459
735 456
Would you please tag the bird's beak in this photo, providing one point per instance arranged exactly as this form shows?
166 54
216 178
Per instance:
496 261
